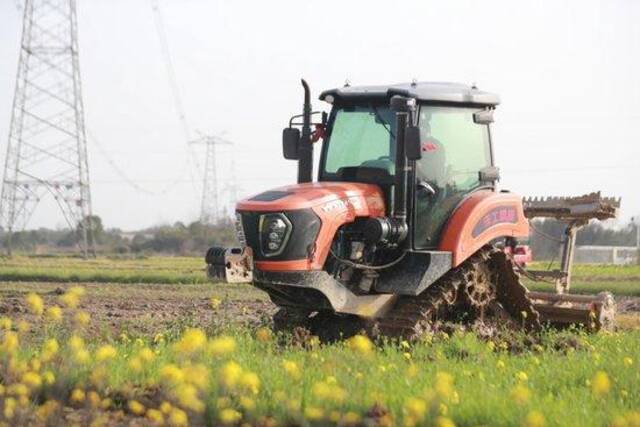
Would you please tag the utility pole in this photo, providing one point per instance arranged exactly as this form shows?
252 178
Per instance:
47 147
210 204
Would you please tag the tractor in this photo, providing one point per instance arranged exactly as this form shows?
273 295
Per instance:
405 224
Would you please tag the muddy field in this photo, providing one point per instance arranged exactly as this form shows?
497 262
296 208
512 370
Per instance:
146 309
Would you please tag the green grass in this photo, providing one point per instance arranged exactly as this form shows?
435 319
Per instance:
172 270
559 379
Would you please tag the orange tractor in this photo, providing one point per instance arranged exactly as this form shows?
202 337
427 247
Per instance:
405 224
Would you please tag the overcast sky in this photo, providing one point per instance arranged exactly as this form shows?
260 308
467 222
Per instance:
567 71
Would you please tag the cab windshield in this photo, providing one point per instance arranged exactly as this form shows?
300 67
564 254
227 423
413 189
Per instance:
361 136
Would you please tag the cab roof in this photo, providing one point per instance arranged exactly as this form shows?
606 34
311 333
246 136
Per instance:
436 92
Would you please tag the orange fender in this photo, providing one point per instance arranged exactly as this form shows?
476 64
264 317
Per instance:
482 217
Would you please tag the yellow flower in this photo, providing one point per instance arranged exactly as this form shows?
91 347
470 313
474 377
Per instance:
178 418
187 396
415 408
77 395
46 409
75 342
9 343
351 418
81 356
215 302
35 303
197 375
49 349
360 344
32 379
54 314
247 403
250 382
627 361
221 346
69 299
48 377
229 416
155 416
135 364
77 290
23 326
136 407
291 368
191 341
444 422
146 355
5 323
105 352
534 419
82 318
94 399
522 376
165 407
230 374
443 385
9 407
600 384
500 364
171 373
520 394
263 335
313 413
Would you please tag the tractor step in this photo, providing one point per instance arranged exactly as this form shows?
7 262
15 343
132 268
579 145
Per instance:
596 312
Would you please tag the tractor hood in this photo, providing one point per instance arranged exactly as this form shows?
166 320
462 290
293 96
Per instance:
307 217
326 196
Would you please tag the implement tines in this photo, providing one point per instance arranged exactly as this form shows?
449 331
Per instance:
581 208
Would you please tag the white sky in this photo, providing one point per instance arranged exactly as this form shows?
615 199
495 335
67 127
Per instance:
567 72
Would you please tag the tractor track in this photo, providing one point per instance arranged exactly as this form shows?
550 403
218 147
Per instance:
412 316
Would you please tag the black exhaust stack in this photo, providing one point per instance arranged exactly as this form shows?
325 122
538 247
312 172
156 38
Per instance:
305 150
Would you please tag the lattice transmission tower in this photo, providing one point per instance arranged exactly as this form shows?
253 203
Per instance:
210 204
47 148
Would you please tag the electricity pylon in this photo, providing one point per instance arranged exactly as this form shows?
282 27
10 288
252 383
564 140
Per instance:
47 147
210 204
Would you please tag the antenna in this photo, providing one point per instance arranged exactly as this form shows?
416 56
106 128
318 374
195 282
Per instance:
47 147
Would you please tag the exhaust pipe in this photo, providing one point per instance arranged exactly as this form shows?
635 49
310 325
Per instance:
305 150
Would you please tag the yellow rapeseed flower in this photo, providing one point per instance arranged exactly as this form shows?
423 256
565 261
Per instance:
136 407
135 364
522 376
415 408
69 299
196 374
230 374
32 379
229 416
49 349
106 352
48 377
250 381
443 385
627 361
10 343
54 314
75 342
291 368
9 408
263 334
94 399
247 403
221 346
45 410
146 354
178 418
215 303
313 413
77 395
500 364
171 373
192 340
600 384
534 419
82 318
360 344
166 407
81 356
187 396
155 416
520 394
5 323
444 422
35 303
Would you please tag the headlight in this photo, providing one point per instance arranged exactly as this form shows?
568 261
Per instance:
275 230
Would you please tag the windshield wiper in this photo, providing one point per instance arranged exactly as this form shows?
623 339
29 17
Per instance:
381 120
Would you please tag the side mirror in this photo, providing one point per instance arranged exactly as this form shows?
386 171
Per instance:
412 144
290 143
483 117
489 174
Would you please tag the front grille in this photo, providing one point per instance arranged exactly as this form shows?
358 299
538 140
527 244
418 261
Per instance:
305 225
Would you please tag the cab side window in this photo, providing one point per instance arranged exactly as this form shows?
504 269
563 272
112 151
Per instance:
454 150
